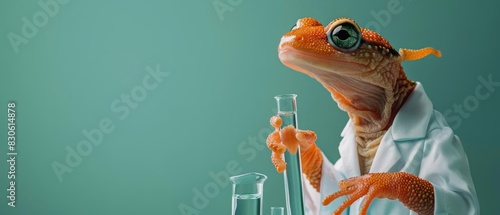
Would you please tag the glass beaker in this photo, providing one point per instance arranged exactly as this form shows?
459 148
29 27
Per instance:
248 193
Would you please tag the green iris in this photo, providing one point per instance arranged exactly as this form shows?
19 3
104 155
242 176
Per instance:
344 37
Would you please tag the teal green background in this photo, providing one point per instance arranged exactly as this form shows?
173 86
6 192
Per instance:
218 97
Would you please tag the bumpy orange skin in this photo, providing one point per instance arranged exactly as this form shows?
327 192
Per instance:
415 193
276 146
311 157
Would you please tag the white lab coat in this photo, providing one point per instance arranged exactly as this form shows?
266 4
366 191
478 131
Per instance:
419 142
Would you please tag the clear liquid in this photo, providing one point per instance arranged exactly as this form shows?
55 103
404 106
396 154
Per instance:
288 118
248 204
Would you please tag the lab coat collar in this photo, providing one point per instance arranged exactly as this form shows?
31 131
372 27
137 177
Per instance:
412 119
411 122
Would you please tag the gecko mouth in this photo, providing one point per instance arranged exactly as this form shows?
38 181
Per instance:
289 55
341 78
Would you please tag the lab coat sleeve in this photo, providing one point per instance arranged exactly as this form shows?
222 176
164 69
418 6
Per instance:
445 165
331 174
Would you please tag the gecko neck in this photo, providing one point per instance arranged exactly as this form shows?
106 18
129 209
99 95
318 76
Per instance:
369 124
372 117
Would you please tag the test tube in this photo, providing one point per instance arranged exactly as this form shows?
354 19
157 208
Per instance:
287 110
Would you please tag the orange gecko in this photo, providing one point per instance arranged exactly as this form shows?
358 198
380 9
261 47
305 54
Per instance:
398 155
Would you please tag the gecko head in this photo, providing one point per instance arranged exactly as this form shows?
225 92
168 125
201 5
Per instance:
341 47
355 64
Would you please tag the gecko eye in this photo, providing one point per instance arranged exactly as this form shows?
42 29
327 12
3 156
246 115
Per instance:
344 37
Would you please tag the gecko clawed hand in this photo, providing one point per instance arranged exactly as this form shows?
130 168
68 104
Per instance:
290 138
415 193
374 185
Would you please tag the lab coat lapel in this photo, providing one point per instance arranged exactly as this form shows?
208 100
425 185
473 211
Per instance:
410 123
387 155
348 152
